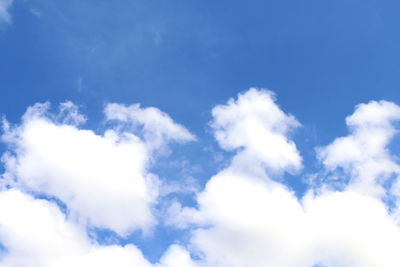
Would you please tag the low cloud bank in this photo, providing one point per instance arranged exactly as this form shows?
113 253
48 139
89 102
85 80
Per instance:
245 215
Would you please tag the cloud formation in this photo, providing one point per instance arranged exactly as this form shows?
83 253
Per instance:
248 219
157 127
363 154
246 215
103 179
256 127
36 233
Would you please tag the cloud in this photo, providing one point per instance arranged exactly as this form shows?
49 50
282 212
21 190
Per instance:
158 127
36 233
248 219
103 179
5 5
256 127
246 215
364 155
176 256
248 222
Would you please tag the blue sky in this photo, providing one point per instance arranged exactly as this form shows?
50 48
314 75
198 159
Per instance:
201 54
187 58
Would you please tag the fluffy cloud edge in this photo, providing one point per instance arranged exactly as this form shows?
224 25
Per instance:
49 153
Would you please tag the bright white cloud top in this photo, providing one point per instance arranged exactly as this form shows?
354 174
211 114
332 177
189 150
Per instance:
245 214
255 124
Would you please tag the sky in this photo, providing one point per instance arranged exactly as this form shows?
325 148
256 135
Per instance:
159 133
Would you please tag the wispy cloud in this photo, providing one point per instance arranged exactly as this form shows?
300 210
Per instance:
5 16
35 12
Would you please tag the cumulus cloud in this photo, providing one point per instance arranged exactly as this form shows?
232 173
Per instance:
5 5
248 222
103 179
256 127
248 219
364 155
36 233
244 216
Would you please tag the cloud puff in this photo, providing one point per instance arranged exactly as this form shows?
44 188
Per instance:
103 179
5 5
364 154
158 127
257 127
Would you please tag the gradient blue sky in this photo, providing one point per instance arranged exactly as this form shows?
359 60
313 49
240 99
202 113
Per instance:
321 58
184 57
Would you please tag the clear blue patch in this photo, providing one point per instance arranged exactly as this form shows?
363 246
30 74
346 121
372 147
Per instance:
61 205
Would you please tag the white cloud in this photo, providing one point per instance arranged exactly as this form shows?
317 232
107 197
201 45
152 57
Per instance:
247 219
5 5
103 179
351 229
253 223
158 127
260 224
36 233
364 154
176 256
243 217
257 127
